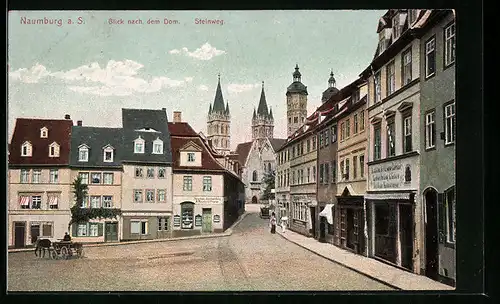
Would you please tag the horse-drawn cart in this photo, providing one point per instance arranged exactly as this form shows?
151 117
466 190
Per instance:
61 249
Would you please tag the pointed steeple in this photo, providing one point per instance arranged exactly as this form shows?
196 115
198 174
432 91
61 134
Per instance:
219 100
296 74
331 81
262 108
271 113
254 114
210 109
227 108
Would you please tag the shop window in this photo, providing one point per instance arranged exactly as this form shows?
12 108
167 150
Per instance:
187 215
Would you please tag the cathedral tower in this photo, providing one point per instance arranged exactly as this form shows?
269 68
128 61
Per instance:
218 123
262 121
296 103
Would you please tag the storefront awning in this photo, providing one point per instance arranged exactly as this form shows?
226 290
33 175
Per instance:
389 196
327 212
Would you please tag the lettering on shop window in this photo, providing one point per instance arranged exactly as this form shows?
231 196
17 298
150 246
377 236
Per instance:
390 176
177 220
197 220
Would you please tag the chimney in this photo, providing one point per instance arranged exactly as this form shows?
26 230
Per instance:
79 123
67 116
177 116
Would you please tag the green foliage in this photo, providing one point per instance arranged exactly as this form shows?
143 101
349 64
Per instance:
83 215
268 180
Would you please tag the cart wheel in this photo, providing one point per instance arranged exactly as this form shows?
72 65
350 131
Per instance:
53 254
64 252
80 252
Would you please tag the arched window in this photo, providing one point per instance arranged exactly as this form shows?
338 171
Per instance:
269 167
254 175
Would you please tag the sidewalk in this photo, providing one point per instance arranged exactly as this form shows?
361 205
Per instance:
369 267
228 232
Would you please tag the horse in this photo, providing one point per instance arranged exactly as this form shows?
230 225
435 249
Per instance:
42 244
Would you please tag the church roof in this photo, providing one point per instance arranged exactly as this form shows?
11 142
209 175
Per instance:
219 100
242 150
262 109
276 143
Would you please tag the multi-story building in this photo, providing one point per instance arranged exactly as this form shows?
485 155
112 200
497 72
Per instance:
351 181
219 123
394 210
96 158
282 181
146 157
39 180
437 146
207 197
296 103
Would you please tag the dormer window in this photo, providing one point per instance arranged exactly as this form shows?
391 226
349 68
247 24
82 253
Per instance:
108 155
158 146
44 132
26 149
412 16
381 43
395 27
190 156
54 149
83 153
139 145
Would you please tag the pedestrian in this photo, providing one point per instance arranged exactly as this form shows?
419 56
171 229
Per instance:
273 223
283 223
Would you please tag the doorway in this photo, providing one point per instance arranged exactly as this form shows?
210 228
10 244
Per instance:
313 221
406 235
19 234
254 200
34 232
350 228
111 234
431 235
322 228
206 220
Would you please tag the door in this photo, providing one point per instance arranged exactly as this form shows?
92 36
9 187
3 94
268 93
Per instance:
406 235
350 218
111 231
206 220
34 232
19 234
322 228
431 235
313 221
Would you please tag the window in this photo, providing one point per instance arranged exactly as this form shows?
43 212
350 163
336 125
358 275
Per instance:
327 173
137 196
391 138
308 146
190 156
150 196
395 27
139 227
406 67
82 230
381 43
378 87
430 57
108 155
163 224
334 171
107 178
96 178
25 176
44 132
24 201
302 119
295 120
314 142
450 215
187 215
342 131
53 201
413 16
36 202
361 165
356 126
85 177
293 152
161 195
107 201
321 173
83 154
308 175
289 120
161 172
430 130
188 183
138 172
47 229
37 175
391 78
327 131
150 173
376 142
449 116
93 230
321 139
407 134
449 46
293 177
346 169
95 202
342 170
334 133
314 173
207 183
348 128
158 146
26 149
354 167
54 150
85 202
254 175
139 145
361 120
54 176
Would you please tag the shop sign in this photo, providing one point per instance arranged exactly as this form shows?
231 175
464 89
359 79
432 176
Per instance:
207 200
390 176
177 220
216 218
197 220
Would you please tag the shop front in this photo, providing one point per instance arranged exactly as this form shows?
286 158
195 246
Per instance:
350 223
197 215
303 215
326 223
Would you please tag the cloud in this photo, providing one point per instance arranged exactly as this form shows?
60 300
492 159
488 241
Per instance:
203 88
205 52
118 78
238 88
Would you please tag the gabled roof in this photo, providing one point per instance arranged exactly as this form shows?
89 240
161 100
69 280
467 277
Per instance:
208 162
28 129
96 139
243 150
181 129
136 119
276 143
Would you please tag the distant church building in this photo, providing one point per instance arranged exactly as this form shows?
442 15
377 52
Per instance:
262 121
296 103
218 123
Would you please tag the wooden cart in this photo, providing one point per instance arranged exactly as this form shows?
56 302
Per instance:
66 249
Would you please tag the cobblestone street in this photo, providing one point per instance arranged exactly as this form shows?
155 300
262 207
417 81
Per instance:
250 259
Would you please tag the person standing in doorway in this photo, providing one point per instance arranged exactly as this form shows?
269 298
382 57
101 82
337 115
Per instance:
273 223
283 223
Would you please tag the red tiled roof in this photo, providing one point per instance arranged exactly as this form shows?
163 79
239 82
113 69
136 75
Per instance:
181 129
208 161
28 129
242 150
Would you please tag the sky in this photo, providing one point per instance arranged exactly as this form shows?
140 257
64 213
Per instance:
92 67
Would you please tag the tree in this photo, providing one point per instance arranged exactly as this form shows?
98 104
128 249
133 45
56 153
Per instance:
268 181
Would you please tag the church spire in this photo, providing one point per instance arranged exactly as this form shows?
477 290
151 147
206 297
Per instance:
227 108
331 81
271 113
219 100
254 114
262 108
